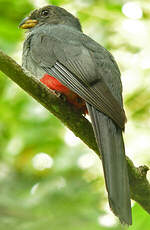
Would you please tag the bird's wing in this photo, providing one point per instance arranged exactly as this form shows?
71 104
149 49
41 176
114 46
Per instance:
75 66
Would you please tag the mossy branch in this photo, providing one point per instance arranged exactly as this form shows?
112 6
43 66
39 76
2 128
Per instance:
80 126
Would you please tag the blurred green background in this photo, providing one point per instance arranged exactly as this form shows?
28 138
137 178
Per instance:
48 178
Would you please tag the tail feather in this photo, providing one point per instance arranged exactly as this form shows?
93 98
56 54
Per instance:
111 145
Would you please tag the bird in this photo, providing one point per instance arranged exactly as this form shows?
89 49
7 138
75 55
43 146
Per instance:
61 56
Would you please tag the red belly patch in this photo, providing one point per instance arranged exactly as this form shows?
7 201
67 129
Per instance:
53 84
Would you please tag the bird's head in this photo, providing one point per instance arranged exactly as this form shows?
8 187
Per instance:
50 15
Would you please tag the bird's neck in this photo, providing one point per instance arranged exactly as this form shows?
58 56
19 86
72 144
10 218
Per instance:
72 22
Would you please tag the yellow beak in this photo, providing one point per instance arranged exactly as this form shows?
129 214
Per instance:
27 23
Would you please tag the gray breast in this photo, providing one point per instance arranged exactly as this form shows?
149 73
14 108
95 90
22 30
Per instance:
27 61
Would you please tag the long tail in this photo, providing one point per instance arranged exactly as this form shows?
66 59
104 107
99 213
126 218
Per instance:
111 145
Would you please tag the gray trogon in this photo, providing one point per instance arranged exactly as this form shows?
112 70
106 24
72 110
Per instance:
68 61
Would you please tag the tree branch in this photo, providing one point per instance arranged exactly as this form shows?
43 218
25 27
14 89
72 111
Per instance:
80 126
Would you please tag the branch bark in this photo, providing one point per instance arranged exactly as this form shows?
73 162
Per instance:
80 126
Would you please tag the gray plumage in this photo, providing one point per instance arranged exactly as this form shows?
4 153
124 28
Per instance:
58 47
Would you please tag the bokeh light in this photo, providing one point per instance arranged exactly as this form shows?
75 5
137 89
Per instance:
71 139
42 161
86 161
132 10
107 220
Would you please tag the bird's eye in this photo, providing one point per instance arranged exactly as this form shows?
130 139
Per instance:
44 12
